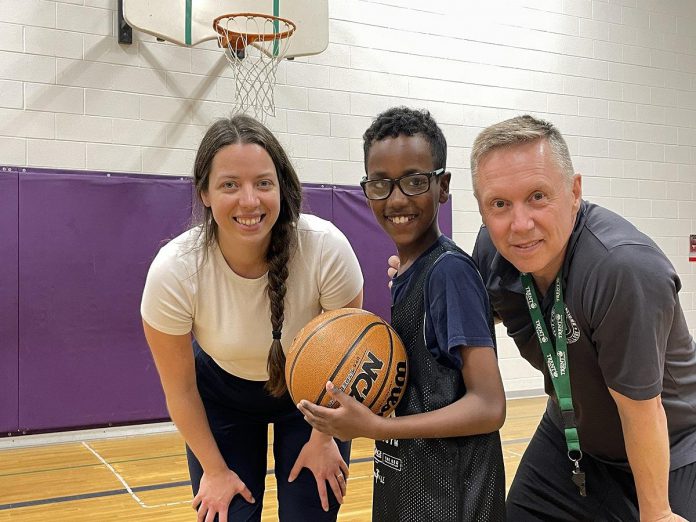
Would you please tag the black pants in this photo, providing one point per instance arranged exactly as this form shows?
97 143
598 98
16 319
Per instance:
239 412
542 489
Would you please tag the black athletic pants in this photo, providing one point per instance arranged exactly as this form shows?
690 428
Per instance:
239 412
543 491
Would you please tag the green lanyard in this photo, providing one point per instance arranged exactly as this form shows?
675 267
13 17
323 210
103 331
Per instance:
557 364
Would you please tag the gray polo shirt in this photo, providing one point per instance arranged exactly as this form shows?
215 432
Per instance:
625 329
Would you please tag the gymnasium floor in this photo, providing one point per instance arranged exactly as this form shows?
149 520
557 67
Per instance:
144 477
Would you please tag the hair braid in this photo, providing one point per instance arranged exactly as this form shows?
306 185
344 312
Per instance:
278 257
246 130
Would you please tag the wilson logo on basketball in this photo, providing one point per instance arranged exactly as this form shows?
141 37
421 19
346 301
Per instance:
354 349
398 390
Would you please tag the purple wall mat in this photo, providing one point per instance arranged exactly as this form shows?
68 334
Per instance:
317 200
73 353
86 244
371 244
9 334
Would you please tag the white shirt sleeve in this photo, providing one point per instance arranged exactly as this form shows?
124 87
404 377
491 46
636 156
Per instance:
340 276
167 303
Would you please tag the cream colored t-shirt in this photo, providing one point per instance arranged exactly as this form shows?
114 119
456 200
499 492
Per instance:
228 314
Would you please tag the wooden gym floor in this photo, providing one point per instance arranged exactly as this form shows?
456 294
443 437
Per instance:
144 477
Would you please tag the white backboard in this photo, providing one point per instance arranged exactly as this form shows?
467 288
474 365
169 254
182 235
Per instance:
190 22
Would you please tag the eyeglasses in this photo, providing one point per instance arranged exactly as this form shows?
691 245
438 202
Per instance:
410 185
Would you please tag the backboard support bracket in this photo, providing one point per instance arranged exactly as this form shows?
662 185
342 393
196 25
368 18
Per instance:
125 31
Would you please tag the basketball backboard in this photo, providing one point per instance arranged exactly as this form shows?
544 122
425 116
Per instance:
190 22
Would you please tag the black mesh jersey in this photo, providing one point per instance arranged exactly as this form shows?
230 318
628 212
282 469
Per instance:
448 479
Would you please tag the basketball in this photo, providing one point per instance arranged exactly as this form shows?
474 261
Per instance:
357 351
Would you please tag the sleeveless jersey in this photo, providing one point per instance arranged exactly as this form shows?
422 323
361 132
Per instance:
446 479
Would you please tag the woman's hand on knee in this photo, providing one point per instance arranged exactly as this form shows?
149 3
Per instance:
321 456
216 493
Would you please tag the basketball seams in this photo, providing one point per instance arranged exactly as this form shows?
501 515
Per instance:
347 355
326 320
387 375
356 353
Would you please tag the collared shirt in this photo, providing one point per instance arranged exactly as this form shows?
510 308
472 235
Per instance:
624 324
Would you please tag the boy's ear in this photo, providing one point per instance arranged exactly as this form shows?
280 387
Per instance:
444 187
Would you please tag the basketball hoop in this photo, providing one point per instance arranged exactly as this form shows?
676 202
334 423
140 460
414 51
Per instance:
254 46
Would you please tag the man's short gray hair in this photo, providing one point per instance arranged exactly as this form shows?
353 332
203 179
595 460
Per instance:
519 130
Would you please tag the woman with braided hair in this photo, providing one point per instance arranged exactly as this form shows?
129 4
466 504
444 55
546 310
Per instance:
242 283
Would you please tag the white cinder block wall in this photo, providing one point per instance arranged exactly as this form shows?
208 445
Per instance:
618 77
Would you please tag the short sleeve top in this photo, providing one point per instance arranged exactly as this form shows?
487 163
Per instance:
456 305
625 329
190 290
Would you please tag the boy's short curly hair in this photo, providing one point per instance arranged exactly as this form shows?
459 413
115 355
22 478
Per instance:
403 121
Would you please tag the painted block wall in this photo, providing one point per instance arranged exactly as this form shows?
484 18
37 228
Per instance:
617 76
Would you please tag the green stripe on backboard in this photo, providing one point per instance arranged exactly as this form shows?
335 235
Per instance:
188 22
276 10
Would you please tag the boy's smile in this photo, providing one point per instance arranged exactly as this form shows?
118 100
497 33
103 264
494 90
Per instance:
411 221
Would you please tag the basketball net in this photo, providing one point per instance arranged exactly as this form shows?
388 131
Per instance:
254 46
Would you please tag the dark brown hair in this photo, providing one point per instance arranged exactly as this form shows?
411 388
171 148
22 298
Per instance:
247 130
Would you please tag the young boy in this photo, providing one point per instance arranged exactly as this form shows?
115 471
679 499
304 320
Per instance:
439 458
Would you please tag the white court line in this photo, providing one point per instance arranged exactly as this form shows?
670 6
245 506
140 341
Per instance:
125 484
514 453
146 506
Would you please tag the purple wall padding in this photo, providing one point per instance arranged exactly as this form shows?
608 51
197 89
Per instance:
371 244
9 335
317 200
86 244
75 248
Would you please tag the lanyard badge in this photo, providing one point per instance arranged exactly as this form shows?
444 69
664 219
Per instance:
557 364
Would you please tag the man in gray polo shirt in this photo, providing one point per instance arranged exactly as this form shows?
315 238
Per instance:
618 439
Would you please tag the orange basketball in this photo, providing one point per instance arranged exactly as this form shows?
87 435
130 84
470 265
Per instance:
357 351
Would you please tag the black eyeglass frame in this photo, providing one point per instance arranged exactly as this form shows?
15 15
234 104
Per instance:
397 182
